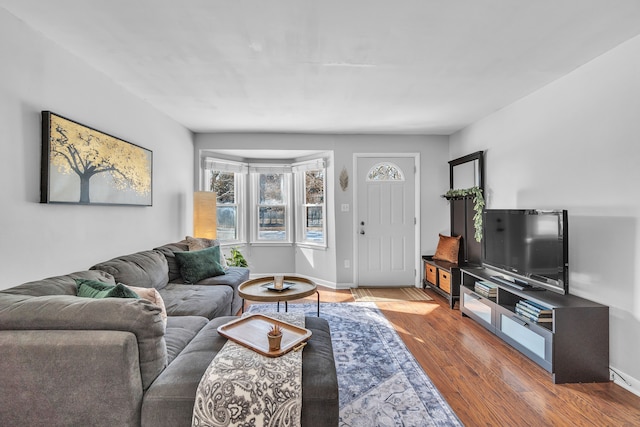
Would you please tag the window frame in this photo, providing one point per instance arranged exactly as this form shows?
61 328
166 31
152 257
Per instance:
255 171
240 171
300 169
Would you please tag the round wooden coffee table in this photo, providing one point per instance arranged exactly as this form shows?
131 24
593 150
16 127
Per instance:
258 290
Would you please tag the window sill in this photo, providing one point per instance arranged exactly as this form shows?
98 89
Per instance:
319 247
232 243
258 244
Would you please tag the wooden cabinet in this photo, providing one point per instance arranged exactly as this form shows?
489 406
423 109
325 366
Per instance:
443 277
573 344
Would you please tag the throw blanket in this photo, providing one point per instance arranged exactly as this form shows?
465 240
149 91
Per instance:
243 388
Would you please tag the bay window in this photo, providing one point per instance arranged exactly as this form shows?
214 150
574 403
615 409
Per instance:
283 203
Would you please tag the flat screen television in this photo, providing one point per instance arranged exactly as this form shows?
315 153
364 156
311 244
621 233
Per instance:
529 246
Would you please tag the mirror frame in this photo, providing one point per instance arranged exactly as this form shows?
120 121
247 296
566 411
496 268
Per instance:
479 156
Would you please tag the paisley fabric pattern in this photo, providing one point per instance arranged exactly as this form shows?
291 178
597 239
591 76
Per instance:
380 382
243 388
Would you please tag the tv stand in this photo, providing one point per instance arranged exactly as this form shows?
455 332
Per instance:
515 283
573 344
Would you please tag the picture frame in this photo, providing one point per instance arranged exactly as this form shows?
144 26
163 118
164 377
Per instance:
84 166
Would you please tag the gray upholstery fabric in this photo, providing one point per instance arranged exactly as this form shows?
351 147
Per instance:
233 278
168 251
197 300
59 285
169 401
69 378
180 331
320 403
146 269
67 312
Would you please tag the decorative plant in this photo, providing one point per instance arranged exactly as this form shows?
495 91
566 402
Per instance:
236 259
275 337
275 331
478 206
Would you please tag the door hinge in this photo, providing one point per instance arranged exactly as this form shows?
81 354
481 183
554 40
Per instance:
415 220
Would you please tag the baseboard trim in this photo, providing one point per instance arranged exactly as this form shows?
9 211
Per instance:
317 281
625 381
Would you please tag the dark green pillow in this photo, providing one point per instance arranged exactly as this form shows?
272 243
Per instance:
94 289
198 265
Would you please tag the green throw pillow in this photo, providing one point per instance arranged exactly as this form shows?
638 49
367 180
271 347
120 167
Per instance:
198 265
94 289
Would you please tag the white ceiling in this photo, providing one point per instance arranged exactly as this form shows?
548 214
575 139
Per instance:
332 66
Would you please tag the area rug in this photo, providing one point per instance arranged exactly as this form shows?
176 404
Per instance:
379 380
389 294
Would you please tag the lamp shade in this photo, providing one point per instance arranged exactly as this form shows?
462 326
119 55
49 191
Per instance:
204 214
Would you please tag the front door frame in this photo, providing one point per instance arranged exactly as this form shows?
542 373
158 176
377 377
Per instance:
416 165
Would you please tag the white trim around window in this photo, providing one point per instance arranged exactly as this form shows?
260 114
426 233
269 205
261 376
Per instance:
311 215
225 208
271 207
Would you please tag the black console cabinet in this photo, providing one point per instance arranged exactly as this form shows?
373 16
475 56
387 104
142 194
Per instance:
574 346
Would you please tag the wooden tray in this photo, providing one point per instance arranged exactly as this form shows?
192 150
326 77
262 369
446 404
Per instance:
251 332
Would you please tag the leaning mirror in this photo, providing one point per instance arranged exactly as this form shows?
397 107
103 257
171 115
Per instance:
466 172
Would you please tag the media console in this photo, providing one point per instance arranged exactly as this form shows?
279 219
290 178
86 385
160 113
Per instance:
572 344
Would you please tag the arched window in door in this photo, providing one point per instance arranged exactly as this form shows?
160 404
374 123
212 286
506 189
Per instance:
385 171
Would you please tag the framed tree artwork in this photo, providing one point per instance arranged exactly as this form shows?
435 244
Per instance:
81 165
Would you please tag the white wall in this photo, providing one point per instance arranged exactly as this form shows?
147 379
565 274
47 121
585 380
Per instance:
328 266
575 145
40 240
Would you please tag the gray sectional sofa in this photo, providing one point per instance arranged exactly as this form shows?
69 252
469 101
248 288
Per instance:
67 360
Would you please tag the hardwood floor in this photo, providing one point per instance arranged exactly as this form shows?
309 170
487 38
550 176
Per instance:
488 383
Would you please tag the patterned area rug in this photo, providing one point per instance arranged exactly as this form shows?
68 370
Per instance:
389 294
380 382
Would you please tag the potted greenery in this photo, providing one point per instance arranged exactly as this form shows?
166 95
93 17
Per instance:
478 205
236 259
275 337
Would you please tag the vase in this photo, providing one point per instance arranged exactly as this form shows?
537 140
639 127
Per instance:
274 342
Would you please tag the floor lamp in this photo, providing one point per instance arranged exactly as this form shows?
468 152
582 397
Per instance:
204 214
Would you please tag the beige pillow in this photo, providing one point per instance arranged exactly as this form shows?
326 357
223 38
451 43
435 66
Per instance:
448 248
199 243
152 295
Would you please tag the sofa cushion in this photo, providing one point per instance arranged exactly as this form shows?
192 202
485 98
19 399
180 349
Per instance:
58 285
95 289
197 300
146 269
180 331
234 276
198 265
169 251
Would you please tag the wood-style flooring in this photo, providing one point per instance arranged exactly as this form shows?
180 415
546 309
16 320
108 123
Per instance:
487 382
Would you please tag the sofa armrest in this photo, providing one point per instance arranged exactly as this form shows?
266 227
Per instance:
56 377
66 312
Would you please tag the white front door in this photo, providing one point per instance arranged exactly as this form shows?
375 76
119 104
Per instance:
386 223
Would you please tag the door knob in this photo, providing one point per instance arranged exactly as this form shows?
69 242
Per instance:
361 231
